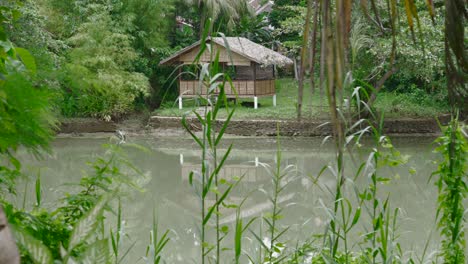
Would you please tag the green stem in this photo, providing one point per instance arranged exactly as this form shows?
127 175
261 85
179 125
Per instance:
345 237
204 175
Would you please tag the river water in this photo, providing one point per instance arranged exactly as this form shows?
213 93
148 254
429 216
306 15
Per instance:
167 191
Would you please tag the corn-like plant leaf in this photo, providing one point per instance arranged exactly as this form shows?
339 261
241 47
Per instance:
356 217
203 44
200 118
223 129
221 199
37 251
185 125
220 99
281 233
38 190
238 238
259 240
191 178
216 171
87 224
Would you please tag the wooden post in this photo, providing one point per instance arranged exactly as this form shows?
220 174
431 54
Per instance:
180 92
255 84
274 86
255 77
180 78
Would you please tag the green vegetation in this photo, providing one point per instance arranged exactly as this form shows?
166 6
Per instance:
101 58
451 183
99 73
96 60
392 104
365 205
285 109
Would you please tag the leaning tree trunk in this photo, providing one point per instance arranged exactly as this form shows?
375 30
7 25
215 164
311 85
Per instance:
305 40
8 249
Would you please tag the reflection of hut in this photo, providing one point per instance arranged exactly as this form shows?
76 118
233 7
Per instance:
230 172
253 65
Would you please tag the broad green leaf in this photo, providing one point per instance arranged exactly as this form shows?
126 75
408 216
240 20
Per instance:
27 59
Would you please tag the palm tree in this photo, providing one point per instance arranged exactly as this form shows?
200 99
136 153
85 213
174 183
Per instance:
227 10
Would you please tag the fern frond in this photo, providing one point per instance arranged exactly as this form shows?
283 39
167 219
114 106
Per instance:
97 253
87 225
38 252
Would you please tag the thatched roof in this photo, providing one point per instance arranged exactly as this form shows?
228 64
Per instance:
241 46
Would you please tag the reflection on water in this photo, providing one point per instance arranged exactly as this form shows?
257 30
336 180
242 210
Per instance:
169 193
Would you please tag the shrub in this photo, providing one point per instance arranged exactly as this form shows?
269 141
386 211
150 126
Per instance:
101 81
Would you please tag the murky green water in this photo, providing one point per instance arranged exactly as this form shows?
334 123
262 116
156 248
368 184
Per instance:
168 191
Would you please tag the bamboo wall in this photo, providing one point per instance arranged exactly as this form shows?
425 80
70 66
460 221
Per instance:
265 87
244 88
246 73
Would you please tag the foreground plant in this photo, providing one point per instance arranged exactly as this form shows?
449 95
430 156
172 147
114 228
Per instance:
75 230
207 182
453 190
281 178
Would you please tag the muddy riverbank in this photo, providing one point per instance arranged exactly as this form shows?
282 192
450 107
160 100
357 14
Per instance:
172 126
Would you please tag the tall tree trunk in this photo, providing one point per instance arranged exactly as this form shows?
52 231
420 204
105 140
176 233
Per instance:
313 52
304 49
378 86
323 54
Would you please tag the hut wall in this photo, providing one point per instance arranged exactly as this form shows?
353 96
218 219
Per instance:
237 59
246 73
265 87
243 88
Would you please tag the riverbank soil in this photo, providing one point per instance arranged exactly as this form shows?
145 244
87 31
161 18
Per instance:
171 126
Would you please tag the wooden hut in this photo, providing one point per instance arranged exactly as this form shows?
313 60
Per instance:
253 65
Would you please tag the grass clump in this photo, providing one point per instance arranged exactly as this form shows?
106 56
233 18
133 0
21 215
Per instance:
396 105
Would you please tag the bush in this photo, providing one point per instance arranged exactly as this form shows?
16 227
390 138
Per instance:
101 80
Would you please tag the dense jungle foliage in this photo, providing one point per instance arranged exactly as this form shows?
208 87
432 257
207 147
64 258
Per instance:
100 58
